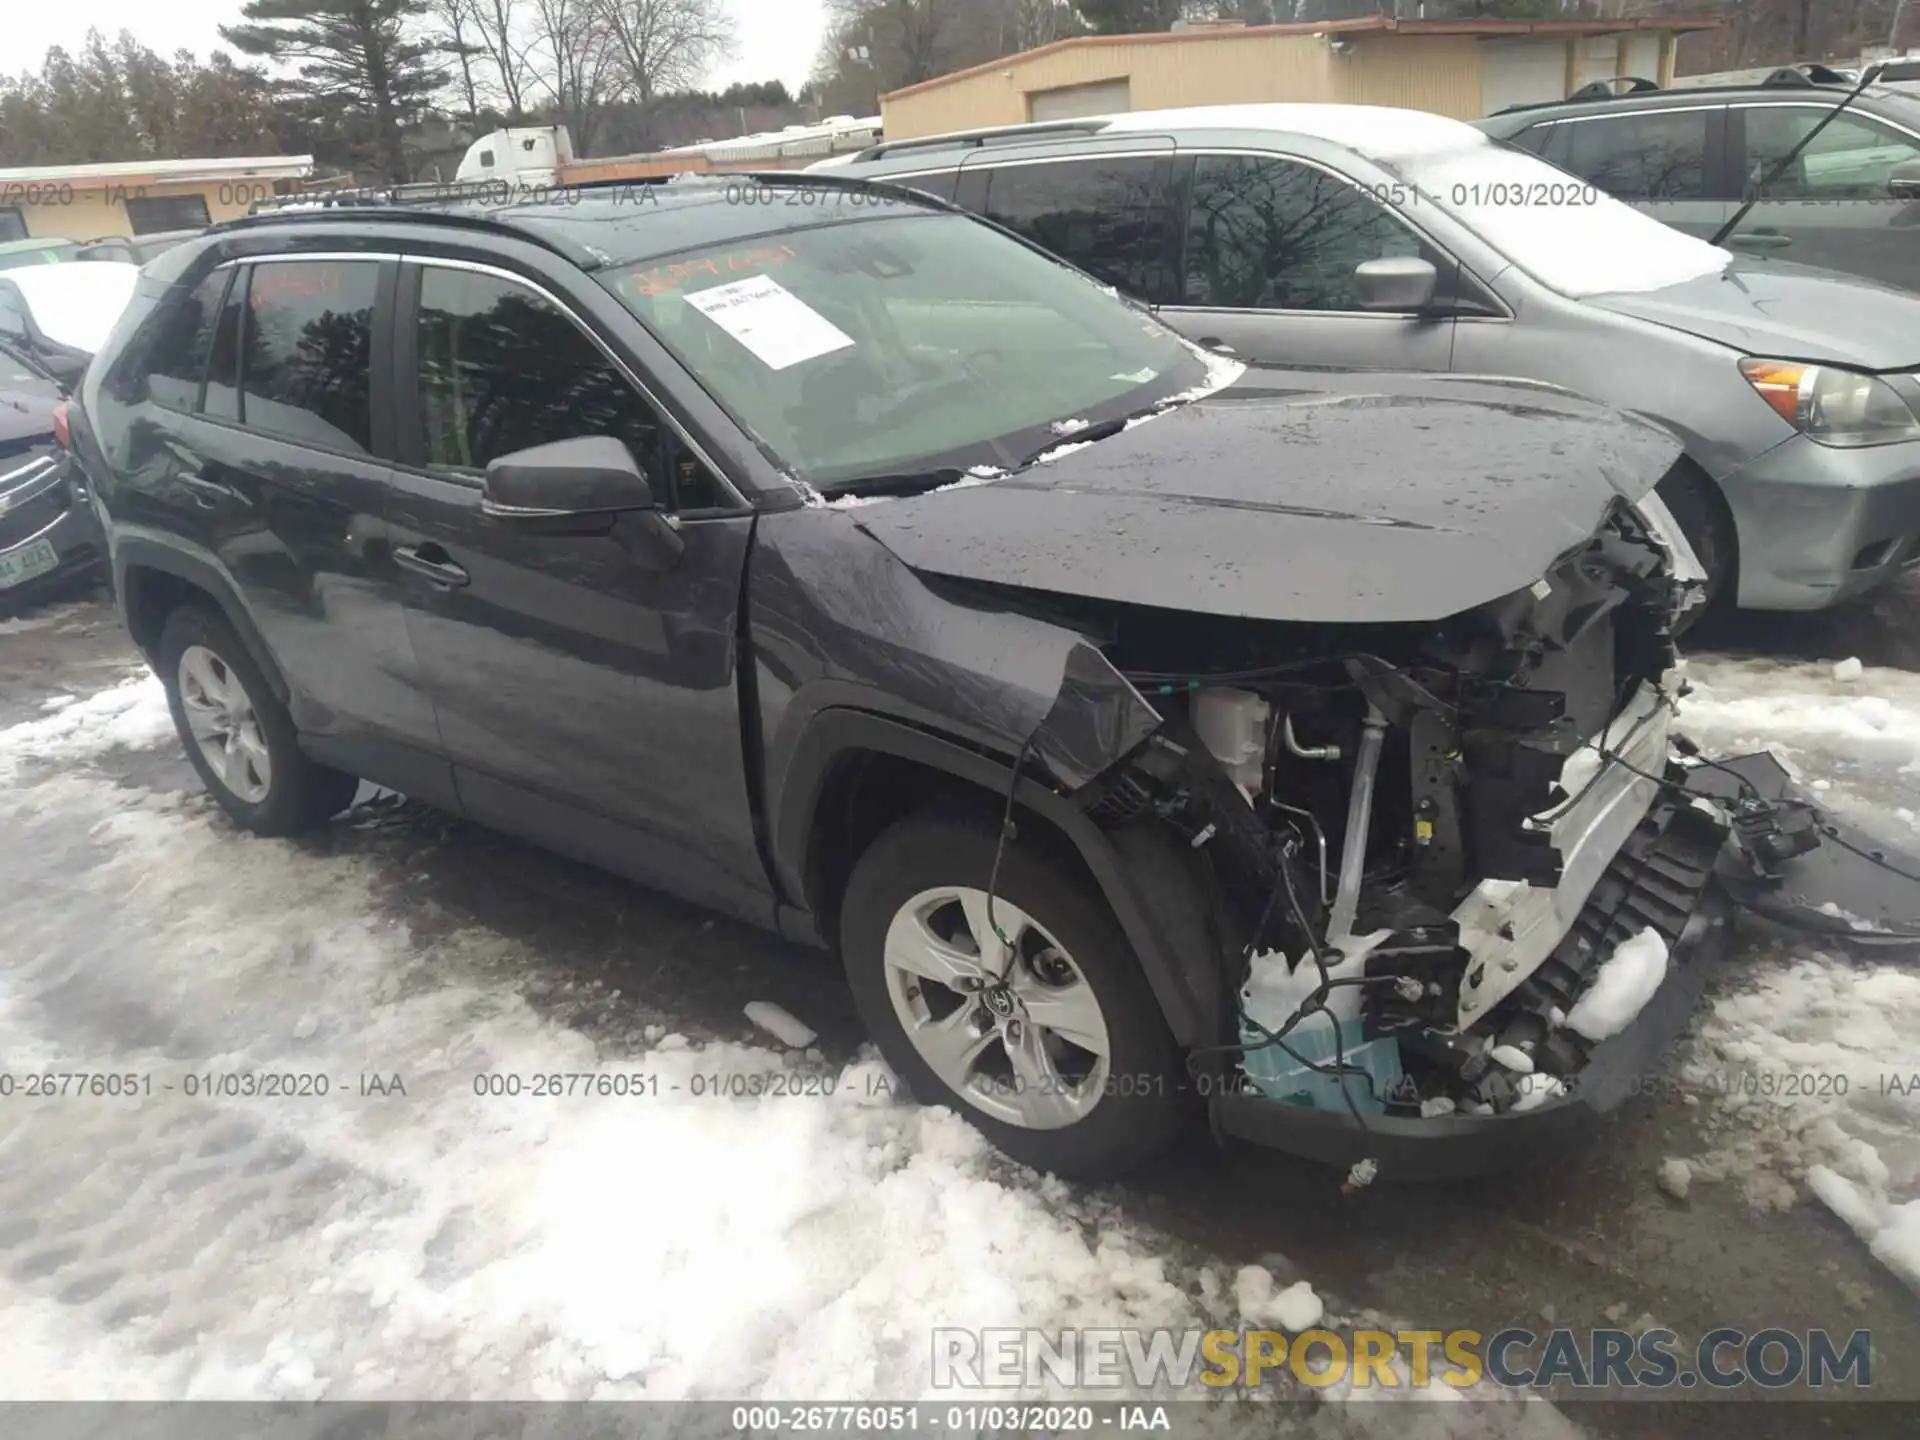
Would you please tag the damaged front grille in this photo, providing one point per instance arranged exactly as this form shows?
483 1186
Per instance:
1483 782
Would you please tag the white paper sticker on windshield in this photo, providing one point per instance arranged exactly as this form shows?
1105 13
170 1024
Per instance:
770 320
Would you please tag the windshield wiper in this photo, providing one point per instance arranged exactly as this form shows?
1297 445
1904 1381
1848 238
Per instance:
906 482
1780 165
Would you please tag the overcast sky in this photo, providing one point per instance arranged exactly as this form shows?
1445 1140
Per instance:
777 38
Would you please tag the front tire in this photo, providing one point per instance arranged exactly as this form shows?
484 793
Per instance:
240 738
1054 1047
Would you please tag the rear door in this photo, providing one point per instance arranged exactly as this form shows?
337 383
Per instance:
1831 206
1668 162
259 442
586 685
1269 247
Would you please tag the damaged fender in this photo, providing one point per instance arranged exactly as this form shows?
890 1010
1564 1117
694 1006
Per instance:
862 658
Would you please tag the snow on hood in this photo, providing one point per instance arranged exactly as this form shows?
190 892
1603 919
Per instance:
76 303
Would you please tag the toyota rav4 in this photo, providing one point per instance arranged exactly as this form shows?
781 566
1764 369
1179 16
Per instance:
1153 736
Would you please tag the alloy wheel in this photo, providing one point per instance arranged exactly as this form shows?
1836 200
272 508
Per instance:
997 1008
221 717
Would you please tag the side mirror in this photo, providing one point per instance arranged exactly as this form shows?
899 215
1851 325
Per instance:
1401 283
1904 182
582 487
594 475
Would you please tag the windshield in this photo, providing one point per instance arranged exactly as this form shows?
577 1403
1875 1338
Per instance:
1558 228
903 344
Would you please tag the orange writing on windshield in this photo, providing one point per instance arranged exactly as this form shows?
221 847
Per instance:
664 279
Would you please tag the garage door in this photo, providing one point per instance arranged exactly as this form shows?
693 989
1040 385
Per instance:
1070 102
1522 72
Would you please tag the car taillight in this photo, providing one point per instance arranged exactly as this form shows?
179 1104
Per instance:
60 432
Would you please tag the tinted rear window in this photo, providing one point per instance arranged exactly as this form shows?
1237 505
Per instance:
1653 156
178 359
307 352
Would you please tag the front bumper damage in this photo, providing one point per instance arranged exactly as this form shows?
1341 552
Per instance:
1435 854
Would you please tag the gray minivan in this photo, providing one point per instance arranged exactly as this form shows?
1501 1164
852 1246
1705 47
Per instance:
1362 237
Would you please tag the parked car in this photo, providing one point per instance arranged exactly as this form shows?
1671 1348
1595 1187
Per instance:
1357 236
1690 157
59 314
815 552
135 249
17 253
49 536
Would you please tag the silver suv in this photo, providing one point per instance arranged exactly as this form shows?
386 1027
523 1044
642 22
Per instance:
1360 237
1849 201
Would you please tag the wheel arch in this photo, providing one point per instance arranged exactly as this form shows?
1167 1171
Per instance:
853 772
1695 497
152 579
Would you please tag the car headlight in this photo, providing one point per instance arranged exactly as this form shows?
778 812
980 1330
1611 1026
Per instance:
1832 405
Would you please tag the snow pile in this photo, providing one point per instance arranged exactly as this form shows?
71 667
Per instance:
1813 1061
1293 1309
643 1239
131 715
1815 1069
1891 1231
1621 989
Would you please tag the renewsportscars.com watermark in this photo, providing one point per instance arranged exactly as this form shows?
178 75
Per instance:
1517 1359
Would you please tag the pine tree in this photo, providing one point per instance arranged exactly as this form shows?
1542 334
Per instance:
363 68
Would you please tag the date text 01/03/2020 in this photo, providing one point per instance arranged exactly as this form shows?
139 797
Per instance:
196 1084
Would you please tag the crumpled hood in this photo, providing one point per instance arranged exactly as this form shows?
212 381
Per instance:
1296 496
1789 312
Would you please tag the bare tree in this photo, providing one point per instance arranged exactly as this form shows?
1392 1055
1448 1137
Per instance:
575 63
448 22
663 45
500 30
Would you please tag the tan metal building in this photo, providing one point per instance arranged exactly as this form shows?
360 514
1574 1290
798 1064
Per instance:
1461 68
138 197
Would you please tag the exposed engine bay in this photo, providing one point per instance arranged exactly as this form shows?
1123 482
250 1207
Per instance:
1455 858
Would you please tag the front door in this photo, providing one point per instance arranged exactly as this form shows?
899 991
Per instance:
1271 244
1830 207
586 685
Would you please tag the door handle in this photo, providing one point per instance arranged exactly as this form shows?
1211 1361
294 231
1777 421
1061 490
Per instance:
431 562
1759 240
207 494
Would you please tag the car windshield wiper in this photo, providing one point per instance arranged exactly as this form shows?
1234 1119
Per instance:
1779 167
1087 434
906 482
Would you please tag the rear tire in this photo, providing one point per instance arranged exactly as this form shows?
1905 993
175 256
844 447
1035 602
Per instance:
225 712
1068 1065
1703 518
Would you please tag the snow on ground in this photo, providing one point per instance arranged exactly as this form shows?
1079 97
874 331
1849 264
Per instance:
131 714
452 1242
1810 1057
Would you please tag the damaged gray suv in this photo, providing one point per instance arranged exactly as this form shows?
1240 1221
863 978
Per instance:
1153 736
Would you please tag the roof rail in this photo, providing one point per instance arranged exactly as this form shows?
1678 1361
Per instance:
1806 75
973 139
321 213
1603 89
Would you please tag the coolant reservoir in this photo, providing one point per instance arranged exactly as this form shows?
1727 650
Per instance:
1232 724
